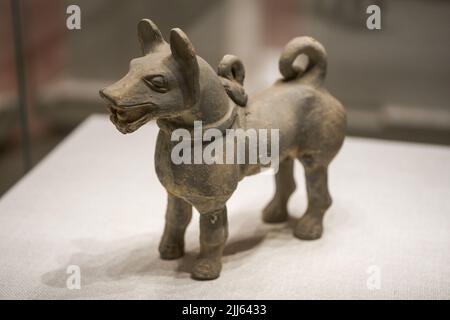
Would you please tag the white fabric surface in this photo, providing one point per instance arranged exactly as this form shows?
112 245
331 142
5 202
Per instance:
95 202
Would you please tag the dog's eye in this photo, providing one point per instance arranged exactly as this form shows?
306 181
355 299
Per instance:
157 83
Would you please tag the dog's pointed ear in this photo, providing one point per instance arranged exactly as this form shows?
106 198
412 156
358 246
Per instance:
184 54
149 36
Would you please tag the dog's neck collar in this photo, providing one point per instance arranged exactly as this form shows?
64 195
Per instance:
224 123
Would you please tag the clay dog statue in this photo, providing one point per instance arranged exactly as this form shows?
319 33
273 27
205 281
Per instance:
173 85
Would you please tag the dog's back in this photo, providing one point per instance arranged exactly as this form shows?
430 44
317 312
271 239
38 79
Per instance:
310 119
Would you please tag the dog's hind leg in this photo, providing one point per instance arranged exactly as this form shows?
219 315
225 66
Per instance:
178 216
276 210
310 227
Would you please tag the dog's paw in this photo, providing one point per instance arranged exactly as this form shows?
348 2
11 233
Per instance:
274 212
308 228
206 269
171 251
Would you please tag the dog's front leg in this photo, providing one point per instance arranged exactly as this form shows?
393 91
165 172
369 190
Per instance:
213 234
178 216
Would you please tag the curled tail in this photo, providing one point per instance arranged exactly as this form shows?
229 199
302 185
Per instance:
317 60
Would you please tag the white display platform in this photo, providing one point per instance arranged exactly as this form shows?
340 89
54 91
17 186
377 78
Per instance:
96 202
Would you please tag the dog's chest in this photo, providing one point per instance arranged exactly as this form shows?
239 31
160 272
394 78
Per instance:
192 180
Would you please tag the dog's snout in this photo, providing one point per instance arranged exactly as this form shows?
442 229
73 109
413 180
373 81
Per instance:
104 93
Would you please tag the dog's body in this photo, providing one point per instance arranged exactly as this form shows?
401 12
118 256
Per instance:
177 87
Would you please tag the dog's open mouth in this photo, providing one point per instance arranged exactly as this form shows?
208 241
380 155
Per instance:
129 119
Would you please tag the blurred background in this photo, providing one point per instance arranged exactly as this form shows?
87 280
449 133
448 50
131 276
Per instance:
394 82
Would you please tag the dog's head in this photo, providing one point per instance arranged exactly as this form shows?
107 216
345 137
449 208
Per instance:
163 83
